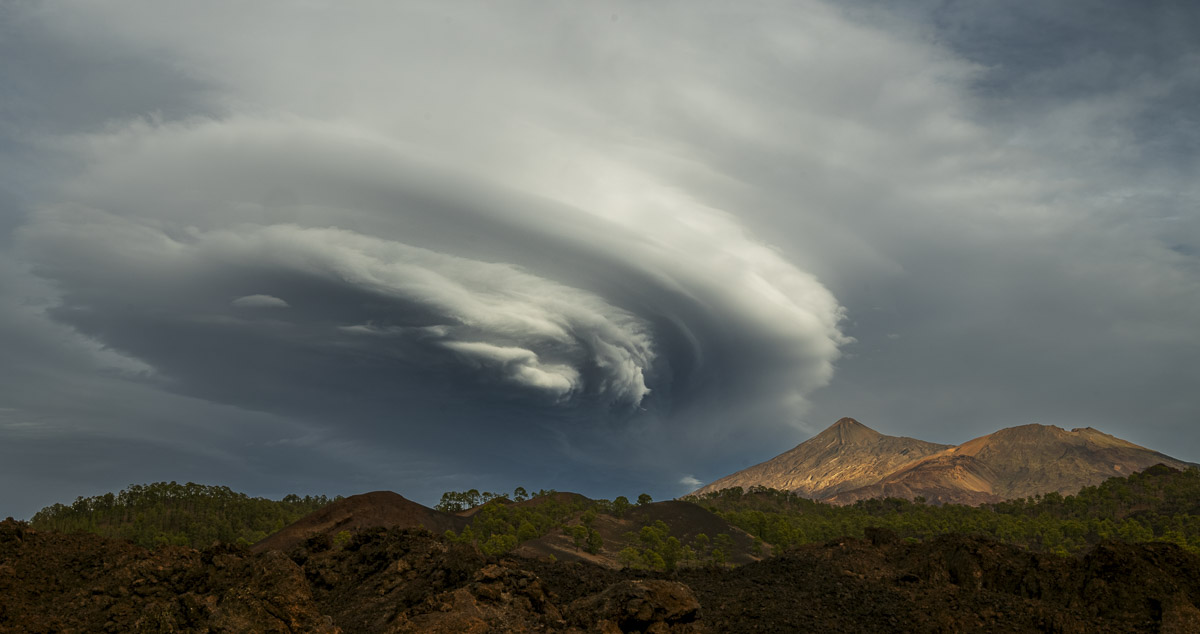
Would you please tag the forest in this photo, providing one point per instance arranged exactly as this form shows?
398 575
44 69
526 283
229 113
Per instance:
169 513
1158 504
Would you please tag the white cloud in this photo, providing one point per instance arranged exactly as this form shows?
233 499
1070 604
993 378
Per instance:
259 301
690 482
524 367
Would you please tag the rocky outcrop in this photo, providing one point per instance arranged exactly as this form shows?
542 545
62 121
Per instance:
638 606
498 599
57 583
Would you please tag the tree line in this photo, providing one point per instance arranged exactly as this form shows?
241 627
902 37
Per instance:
499 525
1158 504
169 513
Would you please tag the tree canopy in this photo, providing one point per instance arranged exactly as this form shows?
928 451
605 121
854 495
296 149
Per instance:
1159 504
188 514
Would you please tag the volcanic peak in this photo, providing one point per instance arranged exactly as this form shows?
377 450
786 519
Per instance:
848 431
845 456
850 461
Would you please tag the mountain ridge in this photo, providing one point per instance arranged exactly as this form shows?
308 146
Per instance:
849 461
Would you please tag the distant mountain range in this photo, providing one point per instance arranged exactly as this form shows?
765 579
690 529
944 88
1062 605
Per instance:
850 461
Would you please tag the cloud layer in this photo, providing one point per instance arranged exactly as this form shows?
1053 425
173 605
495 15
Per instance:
619 245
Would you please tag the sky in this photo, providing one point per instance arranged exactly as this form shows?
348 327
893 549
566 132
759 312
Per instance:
606 247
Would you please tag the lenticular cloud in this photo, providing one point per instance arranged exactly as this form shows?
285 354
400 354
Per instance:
493 317
533 332
597 287
259 301
407 254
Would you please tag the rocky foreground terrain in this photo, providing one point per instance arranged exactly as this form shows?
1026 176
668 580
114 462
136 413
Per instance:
408 580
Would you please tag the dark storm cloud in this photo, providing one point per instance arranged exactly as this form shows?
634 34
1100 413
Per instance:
607 248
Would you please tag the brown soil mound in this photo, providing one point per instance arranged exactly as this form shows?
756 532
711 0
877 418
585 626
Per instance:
560 497
358 512
475 509
687 520
558 546
412 581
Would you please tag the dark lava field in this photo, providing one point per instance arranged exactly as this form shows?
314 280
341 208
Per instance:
409 580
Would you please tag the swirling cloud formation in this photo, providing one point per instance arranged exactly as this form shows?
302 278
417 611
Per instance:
602 246
468 255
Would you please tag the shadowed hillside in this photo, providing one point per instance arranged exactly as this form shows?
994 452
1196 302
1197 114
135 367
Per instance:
357 512
407 580
558 526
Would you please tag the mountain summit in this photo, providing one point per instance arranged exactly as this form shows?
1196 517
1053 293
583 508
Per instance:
848 431
850 461
846 456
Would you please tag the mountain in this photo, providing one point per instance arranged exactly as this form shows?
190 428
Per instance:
847 456
1012 463
357 512
850 462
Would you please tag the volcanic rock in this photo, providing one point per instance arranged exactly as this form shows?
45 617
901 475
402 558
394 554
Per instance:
652 605
408 580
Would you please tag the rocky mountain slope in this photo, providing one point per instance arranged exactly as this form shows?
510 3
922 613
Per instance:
846 456
849 462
